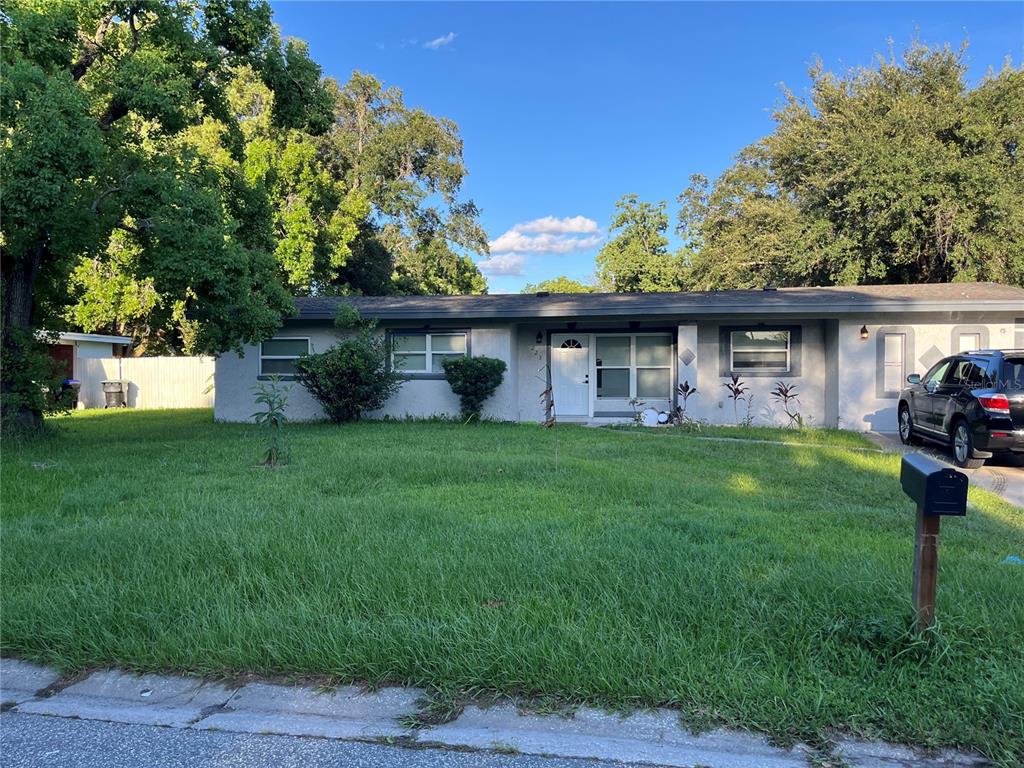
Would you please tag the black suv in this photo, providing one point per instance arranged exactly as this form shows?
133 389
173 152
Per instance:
972 402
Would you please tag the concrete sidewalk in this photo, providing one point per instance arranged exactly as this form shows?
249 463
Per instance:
390 716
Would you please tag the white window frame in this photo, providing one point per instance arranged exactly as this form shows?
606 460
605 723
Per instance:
733 349
632 367
283 357
428 352
902 362
960 342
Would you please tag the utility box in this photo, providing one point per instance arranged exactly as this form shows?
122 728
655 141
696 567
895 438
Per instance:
936 488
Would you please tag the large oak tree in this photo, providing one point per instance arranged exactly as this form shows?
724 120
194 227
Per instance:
97 102
899 173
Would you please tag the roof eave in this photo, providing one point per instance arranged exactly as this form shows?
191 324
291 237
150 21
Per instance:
789 308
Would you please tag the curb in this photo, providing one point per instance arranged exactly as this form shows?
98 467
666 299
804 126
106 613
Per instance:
648 737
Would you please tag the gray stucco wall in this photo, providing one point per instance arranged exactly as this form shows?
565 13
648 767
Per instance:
236 375
531 371
861 406
836 382
713 402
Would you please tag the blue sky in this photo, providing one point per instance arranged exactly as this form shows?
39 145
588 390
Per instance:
565 107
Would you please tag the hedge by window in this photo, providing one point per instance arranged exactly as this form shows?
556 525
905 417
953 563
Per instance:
278 356
752 350
425 352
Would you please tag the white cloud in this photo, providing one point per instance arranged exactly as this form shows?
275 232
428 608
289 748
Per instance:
440 42
503 264
549 235
552 225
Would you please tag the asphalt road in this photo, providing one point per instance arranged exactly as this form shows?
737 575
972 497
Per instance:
38 741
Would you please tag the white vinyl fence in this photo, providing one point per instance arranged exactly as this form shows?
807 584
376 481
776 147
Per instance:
153 382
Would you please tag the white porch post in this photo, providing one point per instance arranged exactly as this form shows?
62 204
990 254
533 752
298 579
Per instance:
686 356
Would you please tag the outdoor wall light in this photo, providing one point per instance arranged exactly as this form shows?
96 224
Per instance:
863 331
540 337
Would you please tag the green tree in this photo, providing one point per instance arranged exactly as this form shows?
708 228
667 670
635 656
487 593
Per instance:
637 257
97 101
316 217
899 173
400 158
560 284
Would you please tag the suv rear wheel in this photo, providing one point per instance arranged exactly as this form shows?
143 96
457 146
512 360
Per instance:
962 445
907 436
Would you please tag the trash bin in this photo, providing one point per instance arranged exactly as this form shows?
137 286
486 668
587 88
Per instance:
115 394
75 386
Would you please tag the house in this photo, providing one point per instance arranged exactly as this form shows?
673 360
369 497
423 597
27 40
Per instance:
846 350
71 349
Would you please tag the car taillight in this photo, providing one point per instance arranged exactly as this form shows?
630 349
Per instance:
995 403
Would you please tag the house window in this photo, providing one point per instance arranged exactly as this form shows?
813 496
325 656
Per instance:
752 350
278 356
894 372
634 365
968 342
425 352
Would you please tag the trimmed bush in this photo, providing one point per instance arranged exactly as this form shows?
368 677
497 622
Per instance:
353 376
473 379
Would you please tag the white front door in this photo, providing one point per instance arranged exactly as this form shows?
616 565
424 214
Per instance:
570 374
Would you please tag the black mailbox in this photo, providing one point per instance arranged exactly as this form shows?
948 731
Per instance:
937 489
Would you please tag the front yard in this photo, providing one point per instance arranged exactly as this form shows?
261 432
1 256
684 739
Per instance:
760 586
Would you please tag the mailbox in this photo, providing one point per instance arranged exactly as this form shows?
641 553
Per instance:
936 488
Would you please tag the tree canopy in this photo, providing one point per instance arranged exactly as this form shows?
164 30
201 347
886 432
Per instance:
173 171
408 165
97 104
346 211
560 284
637 258
900 173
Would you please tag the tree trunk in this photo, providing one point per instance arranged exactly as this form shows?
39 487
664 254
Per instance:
19 278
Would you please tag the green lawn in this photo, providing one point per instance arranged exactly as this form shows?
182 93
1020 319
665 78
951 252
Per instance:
760 586
816 436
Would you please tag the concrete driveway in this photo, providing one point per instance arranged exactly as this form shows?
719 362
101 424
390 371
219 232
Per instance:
1003 474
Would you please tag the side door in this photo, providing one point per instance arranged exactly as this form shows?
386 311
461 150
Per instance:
922 404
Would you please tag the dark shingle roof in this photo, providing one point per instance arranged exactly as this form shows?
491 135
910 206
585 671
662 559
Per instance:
825 301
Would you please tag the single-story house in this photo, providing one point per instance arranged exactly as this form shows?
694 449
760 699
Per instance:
846 350
70 349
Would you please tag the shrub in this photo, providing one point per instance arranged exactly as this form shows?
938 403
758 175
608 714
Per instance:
787 396
273 396
737 389
473 379
353 376
31 384
681 417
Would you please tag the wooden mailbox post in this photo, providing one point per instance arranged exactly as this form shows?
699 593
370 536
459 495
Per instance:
937 490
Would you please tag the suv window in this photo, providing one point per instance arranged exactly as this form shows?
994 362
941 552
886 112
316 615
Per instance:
968 373
1012 374
936 374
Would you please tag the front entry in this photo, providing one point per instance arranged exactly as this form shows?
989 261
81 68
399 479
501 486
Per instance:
570 374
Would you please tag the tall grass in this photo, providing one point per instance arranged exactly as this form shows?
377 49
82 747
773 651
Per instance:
759 586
